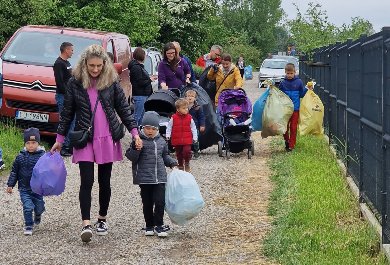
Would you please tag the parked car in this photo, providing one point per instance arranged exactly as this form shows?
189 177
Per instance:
290 59
26 63
152 60
272 69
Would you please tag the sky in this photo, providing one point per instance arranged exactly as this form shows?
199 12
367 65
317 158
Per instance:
341 11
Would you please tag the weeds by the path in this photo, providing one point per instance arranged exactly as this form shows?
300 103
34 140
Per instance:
316 216
11 141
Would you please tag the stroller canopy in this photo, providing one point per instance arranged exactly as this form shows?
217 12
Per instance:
162 102
234 100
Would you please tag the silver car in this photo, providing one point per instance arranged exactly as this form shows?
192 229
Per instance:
272 69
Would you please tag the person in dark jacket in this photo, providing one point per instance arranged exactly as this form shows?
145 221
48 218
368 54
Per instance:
294 88
148 165
62 73
181 131
173 71
141 83
95 89
21 173
196 111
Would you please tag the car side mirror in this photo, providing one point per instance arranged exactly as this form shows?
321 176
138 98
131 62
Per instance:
118 68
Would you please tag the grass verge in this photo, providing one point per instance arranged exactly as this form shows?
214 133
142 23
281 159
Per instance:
316 217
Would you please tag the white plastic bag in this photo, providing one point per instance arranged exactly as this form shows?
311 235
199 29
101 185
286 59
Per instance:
183 200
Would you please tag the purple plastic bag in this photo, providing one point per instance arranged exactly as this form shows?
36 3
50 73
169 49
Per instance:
49 175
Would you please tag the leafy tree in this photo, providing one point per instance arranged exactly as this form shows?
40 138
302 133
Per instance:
358 27
17 13
137 18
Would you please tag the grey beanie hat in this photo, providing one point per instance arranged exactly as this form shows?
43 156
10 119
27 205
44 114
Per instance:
31 134
151 118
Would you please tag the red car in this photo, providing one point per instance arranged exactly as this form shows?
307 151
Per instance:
26 63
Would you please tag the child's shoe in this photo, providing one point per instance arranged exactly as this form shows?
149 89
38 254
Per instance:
149 231
86 233
101 228
196 155
180 167
187 168
28 231
37 219
2 165
286 144
161 231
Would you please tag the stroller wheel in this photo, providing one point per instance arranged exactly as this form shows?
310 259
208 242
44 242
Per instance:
249 154
252 147
220 148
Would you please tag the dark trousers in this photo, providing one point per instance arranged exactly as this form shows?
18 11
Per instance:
153 195
291 134
183 154
87 179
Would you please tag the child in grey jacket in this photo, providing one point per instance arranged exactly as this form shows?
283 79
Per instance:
148 165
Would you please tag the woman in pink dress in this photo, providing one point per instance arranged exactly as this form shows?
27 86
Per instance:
94 88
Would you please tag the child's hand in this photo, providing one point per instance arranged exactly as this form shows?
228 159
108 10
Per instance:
202 129
9 190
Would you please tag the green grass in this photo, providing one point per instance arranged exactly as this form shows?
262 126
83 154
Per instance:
11 141
316 217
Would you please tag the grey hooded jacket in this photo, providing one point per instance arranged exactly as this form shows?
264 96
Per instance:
149 163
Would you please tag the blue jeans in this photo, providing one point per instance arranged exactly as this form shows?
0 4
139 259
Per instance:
60 104
32 202
139 110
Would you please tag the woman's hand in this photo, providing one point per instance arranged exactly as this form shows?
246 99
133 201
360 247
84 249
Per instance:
138 142
164 86
56 147
188 80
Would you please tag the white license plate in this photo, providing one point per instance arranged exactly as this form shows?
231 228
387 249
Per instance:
31 116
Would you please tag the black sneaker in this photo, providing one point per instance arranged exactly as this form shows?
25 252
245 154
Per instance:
101 228
2 165
196 155
161 231
287 146
86 233
149 231
37 219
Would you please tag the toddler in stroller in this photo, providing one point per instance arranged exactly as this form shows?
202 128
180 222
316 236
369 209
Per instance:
235 109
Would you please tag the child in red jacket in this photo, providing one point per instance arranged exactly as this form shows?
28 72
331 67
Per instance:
181 130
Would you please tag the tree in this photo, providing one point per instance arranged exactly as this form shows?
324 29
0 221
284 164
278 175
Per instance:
17 13
358 27
137 18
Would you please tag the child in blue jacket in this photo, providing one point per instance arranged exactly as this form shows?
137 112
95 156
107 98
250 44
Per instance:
21 173
294 88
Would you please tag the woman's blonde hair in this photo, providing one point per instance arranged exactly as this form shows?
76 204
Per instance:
108 74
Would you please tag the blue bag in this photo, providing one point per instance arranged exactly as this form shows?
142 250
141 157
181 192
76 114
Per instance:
49 175
248 72
183 200
258 108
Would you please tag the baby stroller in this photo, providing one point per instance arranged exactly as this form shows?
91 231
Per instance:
162 102
235 109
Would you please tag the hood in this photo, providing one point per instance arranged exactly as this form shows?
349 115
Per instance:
272 72
29 73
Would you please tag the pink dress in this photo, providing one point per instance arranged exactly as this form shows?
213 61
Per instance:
102 149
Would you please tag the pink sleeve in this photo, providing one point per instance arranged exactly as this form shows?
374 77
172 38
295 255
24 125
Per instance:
134 132
60 138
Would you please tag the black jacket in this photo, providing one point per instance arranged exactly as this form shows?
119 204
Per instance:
62 73
22 168
140 80
113 101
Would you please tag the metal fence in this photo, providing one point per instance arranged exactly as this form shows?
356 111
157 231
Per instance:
353 81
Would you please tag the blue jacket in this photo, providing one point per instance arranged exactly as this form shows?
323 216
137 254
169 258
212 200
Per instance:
295 89
193 77
198 116
22 168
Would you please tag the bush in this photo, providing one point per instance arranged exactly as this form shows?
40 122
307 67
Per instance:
197 70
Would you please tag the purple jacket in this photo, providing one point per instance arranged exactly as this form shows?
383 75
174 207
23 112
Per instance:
171 78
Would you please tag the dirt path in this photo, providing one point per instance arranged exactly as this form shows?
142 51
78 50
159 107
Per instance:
229 229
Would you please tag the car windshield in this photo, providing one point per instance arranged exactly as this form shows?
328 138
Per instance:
289 59
274 64
148 64
41 48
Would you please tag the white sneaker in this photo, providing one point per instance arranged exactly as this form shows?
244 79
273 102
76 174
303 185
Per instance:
149 231
28 231
161 231
86 233
101 228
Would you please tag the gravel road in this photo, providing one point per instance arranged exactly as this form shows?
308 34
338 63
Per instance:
229 230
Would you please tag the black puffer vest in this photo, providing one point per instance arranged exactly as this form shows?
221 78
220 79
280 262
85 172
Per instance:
113 101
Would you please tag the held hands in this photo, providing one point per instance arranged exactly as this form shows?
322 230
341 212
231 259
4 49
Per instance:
138 142
56 147
9 190
164 86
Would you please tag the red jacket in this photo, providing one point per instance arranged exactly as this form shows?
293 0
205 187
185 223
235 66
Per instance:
181 129
202 61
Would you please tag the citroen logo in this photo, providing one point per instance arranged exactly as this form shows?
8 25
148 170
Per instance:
37 85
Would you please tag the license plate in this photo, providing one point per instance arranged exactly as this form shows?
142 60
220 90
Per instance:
31 116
